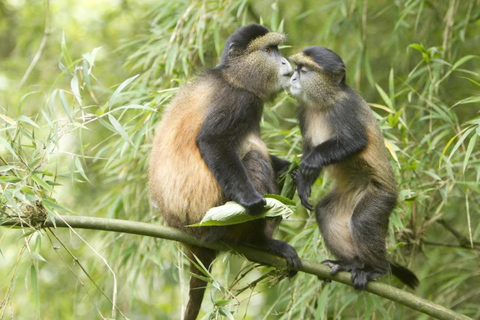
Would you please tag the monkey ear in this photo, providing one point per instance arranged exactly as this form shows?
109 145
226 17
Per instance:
233 50
340 75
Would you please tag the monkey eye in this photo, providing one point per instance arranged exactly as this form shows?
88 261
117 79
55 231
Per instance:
268 50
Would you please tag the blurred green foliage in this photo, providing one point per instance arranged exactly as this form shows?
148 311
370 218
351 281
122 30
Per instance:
83 85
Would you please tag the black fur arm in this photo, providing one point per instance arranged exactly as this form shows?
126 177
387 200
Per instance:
218 140
348 137
331 151
230 172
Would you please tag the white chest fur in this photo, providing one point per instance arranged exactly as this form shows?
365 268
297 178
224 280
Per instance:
317 128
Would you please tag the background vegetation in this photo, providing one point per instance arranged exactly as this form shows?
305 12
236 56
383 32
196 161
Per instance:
83 85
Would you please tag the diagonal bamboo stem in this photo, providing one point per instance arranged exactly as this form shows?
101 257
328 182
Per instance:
141 228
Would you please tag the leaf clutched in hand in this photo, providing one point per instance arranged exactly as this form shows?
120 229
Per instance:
233 213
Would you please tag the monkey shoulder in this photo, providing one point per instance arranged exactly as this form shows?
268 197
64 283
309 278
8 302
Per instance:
231 112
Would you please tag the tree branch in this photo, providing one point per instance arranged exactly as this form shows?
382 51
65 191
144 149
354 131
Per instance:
141 228
43 43
462 240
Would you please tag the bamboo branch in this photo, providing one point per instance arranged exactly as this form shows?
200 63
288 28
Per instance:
43 43
141 228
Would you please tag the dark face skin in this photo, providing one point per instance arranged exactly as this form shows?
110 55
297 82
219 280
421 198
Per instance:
284 69
300 75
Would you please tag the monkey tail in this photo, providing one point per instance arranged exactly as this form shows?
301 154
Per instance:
405 275
198 283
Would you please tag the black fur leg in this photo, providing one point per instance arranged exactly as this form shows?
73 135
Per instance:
360 277
283 249
197 284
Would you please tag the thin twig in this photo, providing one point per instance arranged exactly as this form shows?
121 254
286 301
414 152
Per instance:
141 228
462 240
43 43
449 245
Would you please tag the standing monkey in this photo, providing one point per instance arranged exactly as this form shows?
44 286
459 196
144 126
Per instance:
208 150
341 134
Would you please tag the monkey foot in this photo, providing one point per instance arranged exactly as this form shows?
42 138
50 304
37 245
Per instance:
336 266
360 274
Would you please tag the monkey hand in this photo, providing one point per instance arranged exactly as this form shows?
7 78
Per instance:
253 202
304 189
310 170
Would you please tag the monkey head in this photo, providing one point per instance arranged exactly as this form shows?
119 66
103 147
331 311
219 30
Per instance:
251 61
319 73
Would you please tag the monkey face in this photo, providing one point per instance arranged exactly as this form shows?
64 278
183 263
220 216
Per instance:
295 84
305 82
283 68
264 71
251 61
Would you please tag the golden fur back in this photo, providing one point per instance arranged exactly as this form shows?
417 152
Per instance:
177 170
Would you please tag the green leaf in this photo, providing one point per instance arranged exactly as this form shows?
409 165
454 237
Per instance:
384 96
463 136
36 256
12 179
35 291
418 47
282 199
65 54
7 146
471 145
225 312
233 213
27 120
65 105
41 183
79 167
222 303
118 128
120 89
463 60
76 89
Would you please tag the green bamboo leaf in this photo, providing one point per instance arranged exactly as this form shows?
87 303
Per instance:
79 167
6 168
65 54
65 105
136 106
233 213
463 60
120 89
391 88
76 89
36 256
418 47
35 291
225 312
119 129
460 141
27 120
471 145
7 146
384 96
11 179
282 199
222 303
41 182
